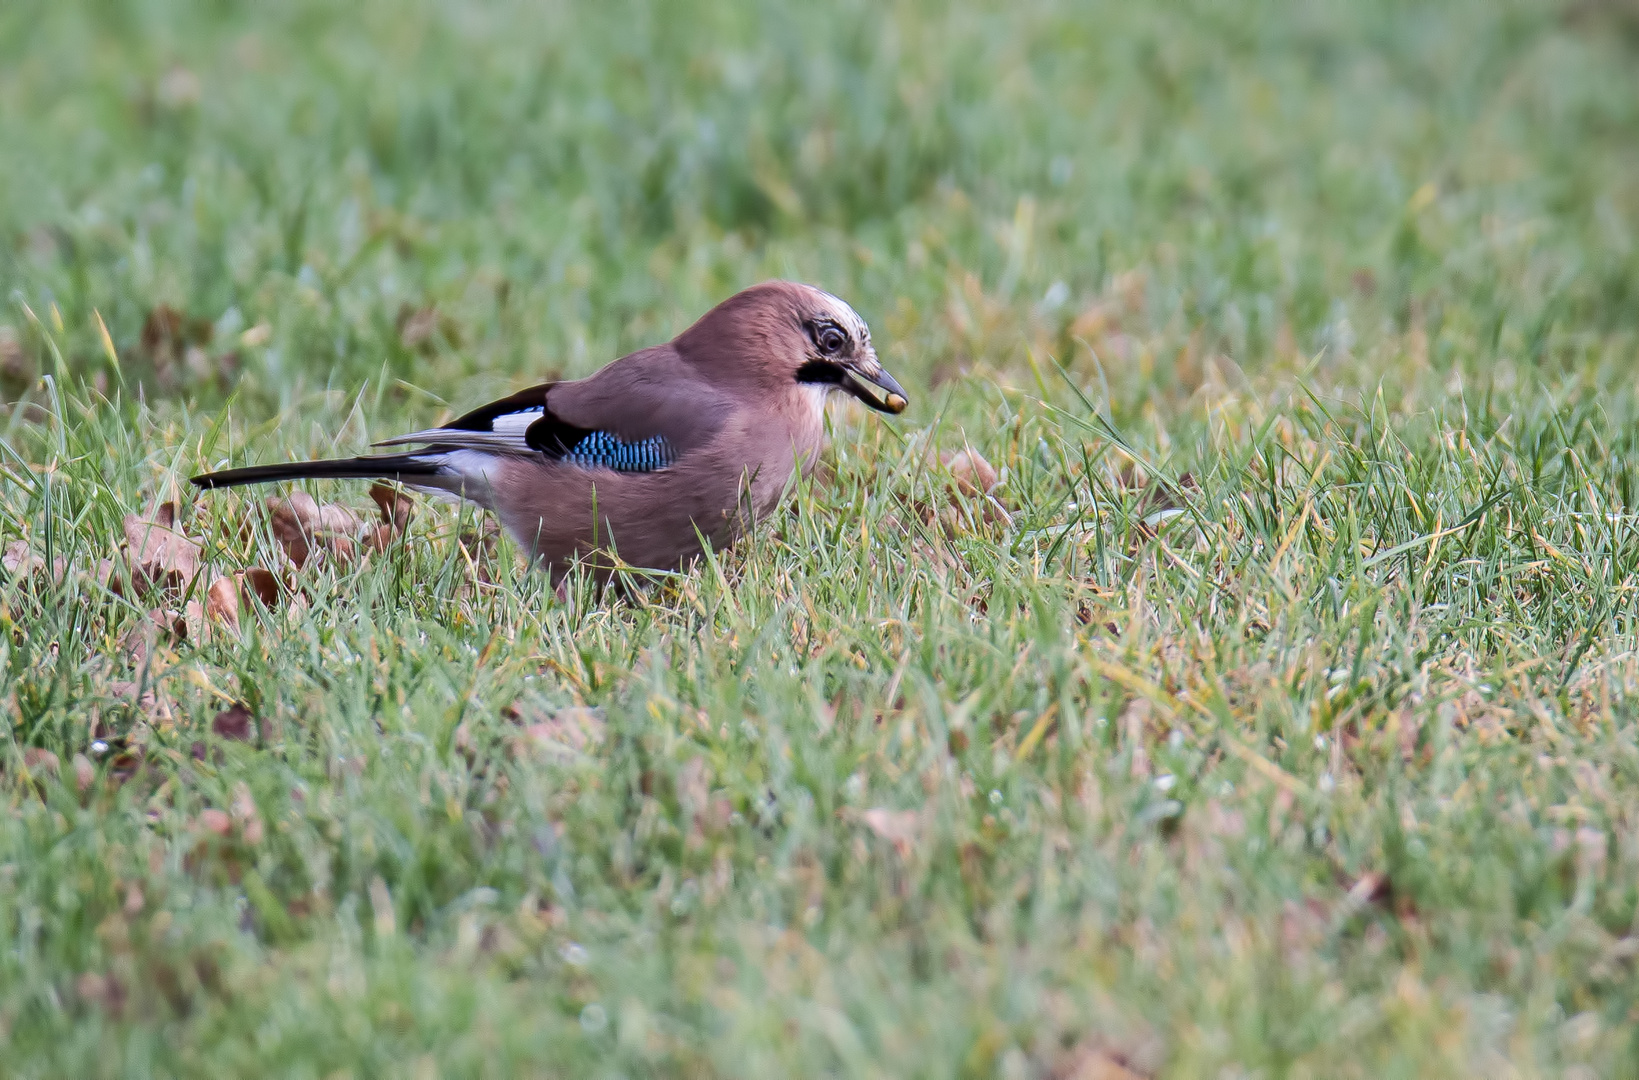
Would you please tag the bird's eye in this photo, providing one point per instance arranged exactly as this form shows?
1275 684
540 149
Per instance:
832 341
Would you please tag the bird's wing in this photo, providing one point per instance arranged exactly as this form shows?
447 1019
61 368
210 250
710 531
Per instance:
638 414
499 427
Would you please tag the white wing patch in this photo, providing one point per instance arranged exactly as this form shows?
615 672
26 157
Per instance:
516 423
506 434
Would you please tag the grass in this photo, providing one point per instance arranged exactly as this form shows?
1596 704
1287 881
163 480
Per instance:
1285 725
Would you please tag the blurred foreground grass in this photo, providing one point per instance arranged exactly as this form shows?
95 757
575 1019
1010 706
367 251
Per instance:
1283 725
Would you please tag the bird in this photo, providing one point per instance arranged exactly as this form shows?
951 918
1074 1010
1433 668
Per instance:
655 456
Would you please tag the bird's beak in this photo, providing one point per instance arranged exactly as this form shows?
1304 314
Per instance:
868 382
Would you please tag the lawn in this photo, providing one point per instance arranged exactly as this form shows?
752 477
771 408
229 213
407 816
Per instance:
1275 714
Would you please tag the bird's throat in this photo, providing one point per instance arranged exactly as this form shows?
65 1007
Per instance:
814 396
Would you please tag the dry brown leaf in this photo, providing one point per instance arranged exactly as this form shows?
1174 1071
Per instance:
178 88
151 704
479 546
39 759
234 724
970 496
109 576
104 991
222 601
343 548
85 773
416 327
215 821
1086 1063
14 364
972 474
259 583
244 812
194 627
295 524
901 828
173 343
301 525
20 560
1155 501
1134 720
395 506
161 557
336 518
563 735
380 538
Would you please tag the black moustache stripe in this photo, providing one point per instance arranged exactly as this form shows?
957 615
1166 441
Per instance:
820 371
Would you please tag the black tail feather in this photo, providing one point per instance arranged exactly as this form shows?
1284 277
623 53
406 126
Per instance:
407 467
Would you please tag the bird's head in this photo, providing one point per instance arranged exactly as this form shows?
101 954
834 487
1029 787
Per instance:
783 331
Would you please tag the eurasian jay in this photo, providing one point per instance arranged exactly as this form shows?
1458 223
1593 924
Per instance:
654 452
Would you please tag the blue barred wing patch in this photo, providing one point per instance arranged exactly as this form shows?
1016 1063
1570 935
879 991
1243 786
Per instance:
599 448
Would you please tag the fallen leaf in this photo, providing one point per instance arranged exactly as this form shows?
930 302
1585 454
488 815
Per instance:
380 538
335 518
301 524
415 327
167 621
565 734
1086 1063
261 584
167 335
479 546
244 812
972 474
85 773
227 366
14 364
123 766
110 577
192 621
1155 502
152 704
20 560
901 828
1134 721
161 557
234 724
222 601
295 524
971 494
105 991
178 88
395 506
39 759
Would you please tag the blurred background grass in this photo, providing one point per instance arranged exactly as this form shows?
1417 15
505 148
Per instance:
564 183
345 218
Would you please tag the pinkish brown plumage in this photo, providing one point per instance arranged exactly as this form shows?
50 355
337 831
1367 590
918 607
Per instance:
670 444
